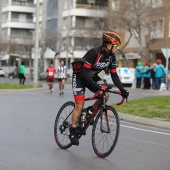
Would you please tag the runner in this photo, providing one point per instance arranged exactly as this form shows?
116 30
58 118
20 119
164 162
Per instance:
50 76
62 74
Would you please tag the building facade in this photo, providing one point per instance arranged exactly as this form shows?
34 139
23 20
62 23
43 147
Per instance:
77 25
147 22
17 28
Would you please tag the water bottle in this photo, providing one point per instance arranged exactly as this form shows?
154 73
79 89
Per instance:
82 119
89 113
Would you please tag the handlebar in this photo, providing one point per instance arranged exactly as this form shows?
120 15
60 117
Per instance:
95 96
119 93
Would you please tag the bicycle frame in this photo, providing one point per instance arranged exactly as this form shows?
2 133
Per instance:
101 109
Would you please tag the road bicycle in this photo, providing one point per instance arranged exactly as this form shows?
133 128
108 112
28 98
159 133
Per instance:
106 125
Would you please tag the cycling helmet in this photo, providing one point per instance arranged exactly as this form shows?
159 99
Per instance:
111 38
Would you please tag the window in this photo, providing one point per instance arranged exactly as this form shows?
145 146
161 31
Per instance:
80 21
146 2
115 5
157 3
157 29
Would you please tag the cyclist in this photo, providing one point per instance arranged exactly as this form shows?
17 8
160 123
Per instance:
85 74
50 76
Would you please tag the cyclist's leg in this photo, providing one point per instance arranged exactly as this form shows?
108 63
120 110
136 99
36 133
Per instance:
78 92
99 81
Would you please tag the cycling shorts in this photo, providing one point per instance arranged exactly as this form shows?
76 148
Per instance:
79 85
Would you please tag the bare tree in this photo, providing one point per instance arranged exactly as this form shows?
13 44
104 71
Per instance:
134 18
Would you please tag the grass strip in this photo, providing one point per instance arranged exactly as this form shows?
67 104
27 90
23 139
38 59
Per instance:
17 86
151 107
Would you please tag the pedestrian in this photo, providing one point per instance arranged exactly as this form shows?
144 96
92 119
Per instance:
50 76
159 74
153 75
168 76
62 75
138 74
147 75
22 77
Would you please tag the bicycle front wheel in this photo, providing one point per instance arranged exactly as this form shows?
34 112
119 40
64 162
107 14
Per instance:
63 124
105 132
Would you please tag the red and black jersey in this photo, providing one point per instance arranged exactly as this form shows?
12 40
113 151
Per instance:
96 60
50 73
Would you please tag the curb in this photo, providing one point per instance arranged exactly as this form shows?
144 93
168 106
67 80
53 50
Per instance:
158 92
145 121
23 90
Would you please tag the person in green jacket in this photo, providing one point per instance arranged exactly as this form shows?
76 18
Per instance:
22 73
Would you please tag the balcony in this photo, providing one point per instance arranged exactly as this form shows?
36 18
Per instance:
17 23
19 4
90 6
86 12
18 39
19 7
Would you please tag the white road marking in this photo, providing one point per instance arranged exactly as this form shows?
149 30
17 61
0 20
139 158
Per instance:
152 131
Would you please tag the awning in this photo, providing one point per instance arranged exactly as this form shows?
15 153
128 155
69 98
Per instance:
5 57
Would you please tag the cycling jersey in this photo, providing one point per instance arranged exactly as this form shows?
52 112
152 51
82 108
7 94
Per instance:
50 71
95 60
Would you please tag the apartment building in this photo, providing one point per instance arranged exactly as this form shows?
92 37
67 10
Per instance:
148 37
79 25
17 30
41 29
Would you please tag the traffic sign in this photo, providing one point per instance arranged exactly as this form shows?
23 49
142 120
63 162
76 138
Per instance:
166 52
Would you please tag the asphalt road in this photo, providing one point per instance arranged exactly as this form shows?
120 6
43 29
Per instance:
27 140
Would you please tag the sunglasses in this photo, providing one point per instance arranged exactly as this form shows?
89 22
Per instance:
116 46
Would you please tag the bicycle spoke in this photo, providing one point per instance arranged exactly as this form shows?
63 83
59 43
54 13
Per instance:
105 132
62 124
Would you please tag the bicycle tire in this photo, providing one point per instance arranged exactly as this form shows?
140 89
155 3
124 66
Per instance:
104 143
62 138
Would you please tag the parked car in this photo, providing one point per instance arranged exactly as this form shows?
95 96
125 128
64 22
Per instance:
13 74
42 76
125 74
2 74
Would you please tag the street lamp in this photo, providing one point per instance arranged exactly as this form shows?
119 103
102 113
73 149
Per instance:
36 46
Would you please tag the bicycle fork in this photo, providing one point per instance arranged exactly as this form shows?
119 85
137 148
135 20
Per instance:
104 118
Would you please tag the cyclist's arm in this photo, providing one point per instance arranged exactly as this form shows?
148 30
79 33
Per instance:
114 76
89 59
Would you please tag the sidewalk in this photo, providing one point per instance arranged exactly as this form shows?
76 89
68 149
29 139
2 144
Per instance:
152 91
144 121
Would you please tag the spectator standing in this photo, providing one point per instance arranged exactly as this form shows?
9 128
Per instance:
147 75
62 75
22 73
159 74
153 75
138 74
50 76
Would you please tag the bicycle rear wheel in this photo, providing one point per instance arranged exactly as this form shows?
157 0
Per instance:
105 132
63 124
